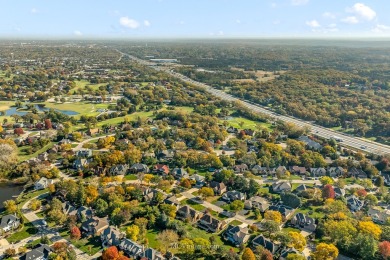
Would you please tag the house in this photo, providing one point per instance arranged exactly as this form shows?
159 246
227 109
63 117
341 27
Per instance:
139 167
298 170
266 243
68 209
232 130
303 221
84 213
357 173
257 169
186 213
281 170
281 186
256 202
218 187
300 188
80 163
111 236
120 169
233 195
284 210
339 192
42 183
211 224
64 141
180 173
290 251
336 171
386 179
41 252
378 215
161 169
43 156
149 194
130 248
317 172
152 254
166 155
9 222
236 235
172 200
199 180
354 203
93 131
313 145
84 153
249 132
240 168
94 226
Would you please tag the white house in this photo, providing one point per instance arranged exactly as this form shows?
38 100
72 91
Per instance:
43 183
9 222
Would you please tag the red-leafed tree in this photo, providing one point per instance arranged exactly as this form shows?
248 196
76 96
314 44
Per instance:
328 192
75 233
48 124
110 253
18 131
384 249
361 193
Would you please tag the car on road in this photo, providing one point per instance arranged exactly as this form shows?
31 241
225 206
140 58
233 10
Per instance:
363 147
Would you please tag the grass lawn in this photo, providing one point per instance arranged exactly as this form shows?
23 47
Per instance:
130 177
247 124
24 157
36 242
27 230
90 246
193 205
235 223
291 229
81 84
151 235
83 108
132 117
316 211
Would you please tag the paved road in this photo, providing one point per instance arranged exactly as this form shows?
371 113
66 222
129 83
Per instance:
51 233
347 141
80 145
215 208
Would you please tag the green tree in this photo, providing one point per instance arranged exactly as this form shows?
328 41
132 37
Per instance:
237 205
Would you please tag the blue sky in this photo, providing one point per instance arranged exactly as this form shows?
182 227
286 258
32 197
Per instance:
194 18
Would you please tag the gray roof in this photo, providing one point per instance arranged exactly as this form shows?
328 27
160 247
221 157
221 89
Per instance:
5 220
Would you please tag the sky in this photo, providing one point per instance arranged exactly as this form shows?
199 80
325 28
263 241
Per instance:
194 18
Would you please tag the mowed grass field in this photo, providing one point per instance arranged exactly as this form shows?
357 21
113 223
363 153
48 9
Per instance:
247 124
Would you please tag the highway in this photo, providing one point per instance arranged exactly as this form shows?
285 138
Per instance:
356 143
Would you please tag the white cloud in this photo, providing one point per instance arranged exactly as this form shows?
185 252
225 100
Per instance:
332 25
182 22
147 23
276 22
329 15
362 11
34 10
129 23
273 5
299 2
238 21
381 28
313 24
350 20
220 33
77 33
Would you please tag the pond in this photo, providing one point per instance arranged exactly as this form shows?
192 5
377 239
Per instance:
8 192
16 111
